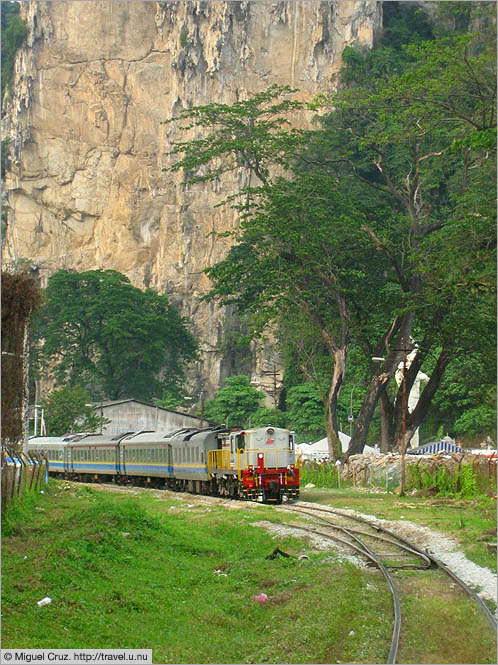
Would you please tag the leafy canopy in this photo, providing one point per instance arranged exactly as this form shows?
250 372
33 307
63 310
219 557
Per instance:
67 410
235 402
100 331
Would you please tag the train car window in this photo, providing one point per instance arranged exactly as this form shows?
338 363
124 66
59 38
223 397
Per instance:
240 441
291 441
202 457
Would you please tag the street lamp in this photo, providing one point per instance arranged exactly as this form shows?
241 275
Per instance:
37 406
403 418
350 414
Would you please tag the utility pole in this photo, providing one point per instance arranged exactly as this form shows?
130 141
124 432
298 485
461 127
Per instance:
274 392
403 424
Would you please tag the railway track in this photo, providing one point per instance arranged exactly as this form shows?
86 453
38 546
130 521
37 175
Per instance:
383 549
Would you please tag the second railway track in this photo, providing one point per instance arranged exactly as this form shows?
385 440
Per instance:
382 548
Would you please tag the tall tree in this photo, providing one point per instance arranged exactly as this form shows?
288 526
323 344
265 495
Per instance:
422 140
354 235
101 332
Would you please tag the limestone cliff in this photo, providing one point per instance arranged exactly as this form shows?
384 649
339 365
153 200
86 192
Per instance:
92 84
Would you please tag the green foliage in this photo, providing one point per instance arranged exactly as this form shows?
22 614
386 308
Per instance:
183 37
370 229
305 411
99 331
253 134
67 410
235 403
14 32
322 474
172 398
466 481
264 416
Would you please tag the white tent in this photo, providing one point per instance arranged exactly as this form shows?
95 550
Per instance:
320 450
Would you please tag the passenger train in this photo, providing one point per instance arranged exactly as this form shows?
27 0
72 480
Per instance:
257 464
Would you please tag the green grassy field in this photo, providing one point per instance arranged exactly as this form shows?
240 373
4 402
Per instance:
152 571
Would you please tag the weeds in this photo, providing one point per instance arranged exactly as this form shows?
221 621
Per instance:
463 482
321 475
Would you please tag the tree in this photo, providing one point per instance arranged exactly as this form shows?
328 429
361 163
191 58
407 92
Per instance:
422 139
305 411
251 134
20 299
294 255
14 32
99 331
354 233
67 410
235 403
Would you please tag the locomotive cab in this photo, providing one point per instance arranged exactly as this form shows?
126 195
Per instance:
266 463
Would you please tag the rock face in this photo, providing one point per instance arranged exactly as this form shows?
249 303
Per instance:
85 182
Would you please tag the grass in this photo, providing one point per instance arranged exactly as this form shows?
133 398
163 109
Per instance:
182 583
424 599
152 571
471 522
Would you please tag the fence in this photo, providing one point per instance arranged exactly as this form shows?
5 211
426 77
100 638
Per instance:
447 473
21 472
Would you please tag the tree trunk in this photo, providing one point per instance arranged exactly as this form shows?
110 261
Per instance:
415 418
377 385
335 449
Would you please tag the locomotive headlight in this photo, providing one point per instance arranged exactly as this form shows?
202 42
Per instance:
270 431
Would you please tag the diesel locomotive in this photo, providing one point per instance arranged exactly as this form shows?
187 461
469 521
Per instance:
257 464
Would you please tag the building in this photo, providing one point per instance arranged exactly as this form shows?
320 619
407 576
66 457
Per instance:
131 415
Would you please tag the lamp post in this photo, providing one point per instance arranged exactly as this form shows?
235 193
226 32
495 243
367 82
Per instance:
403 418
403 424
101 411
350 414
37 406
